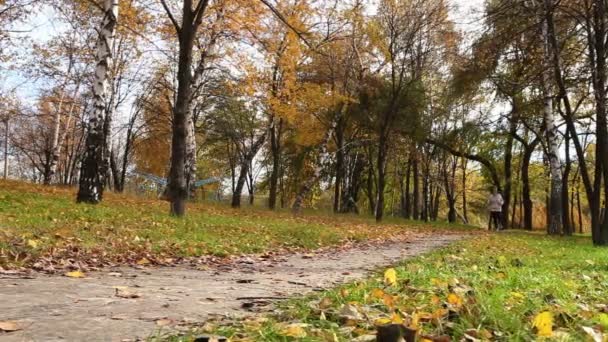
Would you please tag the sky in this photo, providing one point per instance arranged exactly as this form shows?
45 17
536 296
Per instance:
42 26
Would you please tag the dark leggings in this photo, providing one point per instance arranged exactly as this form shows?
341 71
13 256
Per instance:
495 218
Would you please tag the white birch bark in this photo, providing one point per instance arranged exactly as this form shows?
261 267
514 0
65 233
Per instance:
6 130
551 137
93 168
190 162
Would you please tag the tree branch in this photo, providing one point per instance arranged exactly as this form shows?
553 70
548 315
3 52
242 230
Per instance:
475 157
178 29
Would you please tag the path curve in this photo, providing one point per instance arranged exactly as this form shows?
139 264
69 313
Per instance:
57 308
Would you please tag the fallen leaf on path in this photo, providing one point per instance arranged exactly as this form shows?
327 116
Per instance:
75 274
143 261
124 292
164 322
9 326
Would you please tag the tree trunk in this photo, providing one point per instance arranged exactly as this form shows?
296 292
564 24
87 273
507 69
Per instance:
246 163
416 203
6 132
508 164
275 147
310 182
407 212
464 191
177 189
370 187
339 166
554 226
598 61
94 166
525 180
566 219
190 159
125 158
381 166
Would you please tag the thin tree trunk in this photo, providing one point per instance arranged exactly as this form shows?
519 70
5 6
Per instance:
566 219
275 147
464 190
339 166
407 212
416 203
381 166
6 135
508 165
525 180
246 163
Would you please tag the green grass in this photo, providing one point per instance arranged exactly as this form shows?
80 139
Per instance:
499 284
44 222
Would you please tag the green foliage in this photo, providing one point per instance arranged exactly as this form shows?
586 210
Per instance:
494 287
40 221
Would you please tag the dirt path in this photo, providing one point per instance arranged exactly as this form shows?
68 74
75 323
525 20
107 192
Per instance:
57 308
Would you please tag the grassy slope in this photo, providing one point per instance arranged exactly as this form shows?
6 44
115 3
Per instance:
499 284
35 220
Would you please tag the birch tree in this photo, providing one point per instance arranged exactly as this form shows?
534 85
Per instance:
554 225
94 165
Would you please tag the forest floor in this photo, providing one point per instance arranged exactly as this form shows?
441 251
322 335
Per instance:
509 286
127 304
41 228
124 269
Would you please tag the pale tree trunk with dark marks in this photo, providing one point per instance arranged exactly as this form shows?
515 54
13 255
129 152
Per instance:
94 164
554 226
6 135
190 162
55 144
310 182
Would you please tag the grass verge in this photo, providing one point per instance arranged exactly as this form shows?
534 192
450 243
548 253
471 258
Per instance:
501 287
43 227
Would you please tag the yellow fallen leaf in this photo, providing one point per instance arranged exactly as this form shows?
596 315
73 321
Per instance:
383 321
294 330
325 303
9 326
390 277
143 261
454 299
543 323
517 295
75 274
440 313
396 318
388 300
377 293
32 243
